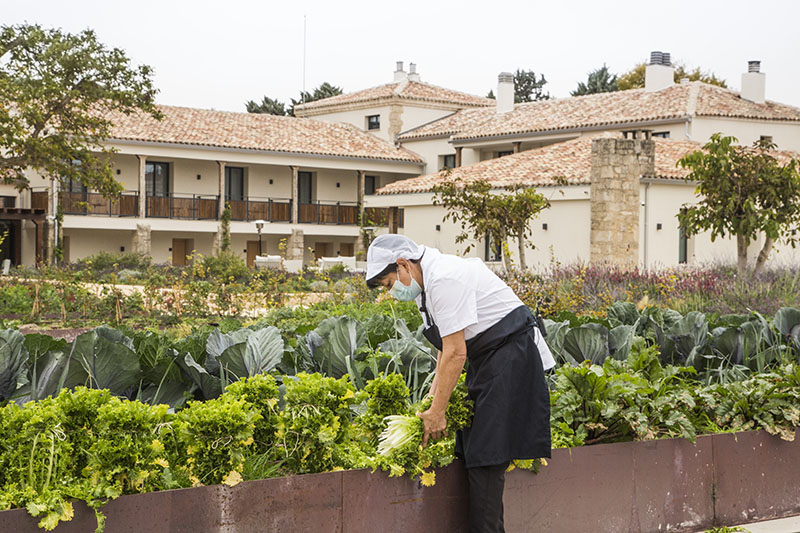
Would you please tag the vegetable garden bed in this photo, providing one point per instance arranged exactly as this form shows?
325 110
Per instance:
662 485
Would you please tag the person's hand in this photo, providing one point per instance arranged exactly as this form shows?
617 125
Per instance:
435 424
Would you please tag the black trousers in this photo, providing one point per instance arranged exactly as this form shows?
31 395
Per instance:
486 485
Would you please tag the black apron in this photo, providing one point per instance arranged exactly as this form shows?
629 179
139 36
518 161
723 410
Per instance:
505 379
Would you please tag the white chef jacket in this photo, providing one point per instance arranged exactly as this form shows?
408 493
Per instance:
465 294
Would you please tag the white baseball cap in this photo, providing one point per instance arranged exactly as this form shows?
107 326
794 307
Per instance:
387 249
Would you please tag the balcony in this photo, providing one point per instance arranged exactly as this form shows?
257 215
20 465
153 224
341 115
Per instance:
269 209
328 213
90 203
379 216
8 201
204 207
185 206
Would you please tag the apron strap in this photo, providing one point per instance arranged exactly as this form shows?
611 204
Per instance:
424 309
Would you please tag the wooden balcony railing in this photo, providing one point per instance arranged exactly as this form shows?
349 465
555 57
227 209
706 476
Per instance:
329 213
204 207
269 209
92 203
379 216
188 206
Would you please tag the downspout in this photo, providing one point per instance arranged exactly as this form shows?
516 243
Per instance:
646 227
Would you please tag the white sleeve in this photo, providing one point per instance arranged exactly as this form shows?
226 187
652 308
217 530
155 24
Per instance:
544 350
454 305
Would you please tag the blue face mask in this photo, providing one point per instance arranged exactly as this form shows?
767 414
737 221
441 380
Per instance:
405 293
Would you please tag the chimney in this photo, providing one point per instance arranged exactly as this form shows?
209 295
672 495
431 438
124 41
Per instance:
505 92
754 83
412 72
617 167
399 73
659 74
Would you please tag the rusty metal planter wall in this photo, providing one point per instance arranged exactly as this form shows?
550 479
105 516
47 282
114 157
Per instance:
665 485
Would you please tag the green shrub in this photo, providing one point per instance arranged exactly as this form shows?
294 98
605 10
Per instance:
225 267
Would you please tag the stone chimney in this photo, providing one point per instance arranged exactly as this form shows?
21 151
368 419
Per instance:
413 75
399 73
754 83
659 73
505 92
618 164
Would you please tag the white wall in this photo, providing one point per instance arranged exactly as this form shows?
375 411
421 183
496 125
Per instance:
430 150
358 118
86 242
785 134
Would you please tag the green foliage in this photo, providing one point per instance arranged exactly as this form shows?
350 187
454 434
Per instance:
599 81
481 213
743 192
217 435
225 225
527 87
388 395
54 121
314 423
400 448
272 106
608 403
634 78
269 106
325 90
226 267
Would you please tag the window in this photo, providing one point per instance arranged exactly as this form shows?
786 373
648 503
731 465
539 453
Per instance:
72 185
234 184
156 177
505 152
767 138
370 184
373 122
491 251
662 134
304 183
449 161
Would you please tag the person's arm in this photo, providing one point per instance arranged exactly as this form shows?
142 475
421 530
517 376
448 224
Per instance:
448 370
435 380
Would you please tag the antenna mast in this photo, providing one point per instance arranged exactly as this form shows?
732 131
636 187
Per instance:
304 59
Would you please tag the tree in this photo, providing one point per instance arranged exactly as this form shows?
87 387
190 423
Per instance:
527 88
599 81
326 90
273 106
744 192
482 213
634 78
57 94
268 106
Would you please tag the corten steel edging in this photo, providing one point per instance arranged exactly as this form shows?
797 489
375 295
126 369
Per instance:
756 477
662 485
184 510
374 503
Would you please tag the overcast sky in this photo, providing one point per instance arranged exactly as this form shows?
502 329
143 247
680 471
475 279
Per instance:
223 53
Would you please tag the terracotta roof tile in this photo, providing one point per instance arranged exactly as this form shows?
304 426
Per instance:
605 109
465 119
540 167
254 131
405 90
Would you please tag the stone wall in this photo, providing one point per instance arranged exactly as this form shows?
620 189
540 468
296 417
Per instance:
295 246
142 239
617 168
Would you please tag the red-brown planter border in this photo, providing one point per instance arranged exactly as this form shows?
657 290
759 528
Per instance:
663 485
